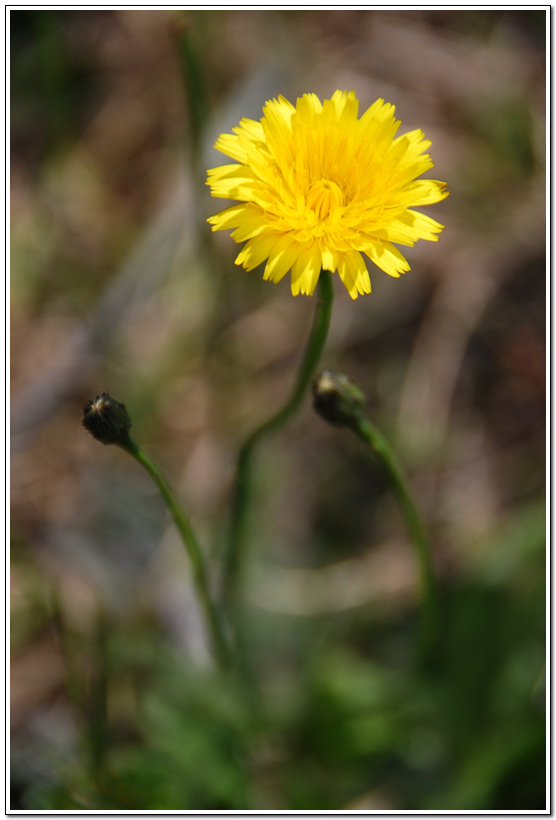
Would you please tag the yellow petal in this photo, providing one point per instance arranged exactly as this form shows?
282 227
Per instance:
228 218
230 144
256 251
305 272
231 182
280 260
354 274
388 258
426 192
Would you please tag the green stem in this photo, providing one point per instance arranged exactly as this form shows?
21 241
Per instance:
200 577
235 556
429 597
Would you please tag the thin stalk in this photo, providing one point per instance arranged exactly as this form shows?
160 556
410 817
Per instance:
419 538
96 711
200 576
235 556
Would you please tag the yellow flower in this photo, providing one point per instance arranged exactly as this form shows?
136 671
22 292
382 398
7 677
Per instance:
317 187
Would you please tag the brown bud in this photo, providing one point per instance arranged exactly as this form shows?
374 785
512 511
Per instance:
338 399
107 420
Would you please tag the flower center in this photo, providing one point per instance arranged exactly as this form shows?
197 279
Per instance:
323 196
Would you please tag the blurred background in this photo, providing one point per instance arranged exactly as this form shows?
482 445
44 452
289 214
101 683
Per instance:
117 284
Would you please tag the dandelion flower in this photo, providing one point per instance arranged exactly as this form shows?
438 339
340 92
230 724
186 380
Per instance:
317 187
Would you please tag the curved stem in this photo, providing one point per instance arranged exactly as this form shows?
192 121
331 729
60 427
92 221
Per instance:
235 556
200 577
429 596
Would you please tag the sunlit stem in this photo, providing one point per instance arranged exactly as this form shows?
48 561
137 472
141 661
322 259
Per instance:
189 539
429 596
236 548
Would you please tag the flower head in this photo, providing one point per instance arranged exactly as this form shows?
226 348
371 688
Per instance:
318 187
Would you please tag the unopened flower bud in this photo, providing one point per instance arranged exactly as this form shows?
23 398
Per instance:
107 420
338 399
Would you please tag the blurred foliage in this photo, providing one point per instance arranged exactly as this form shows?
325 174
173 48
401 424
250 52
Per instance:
118 285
